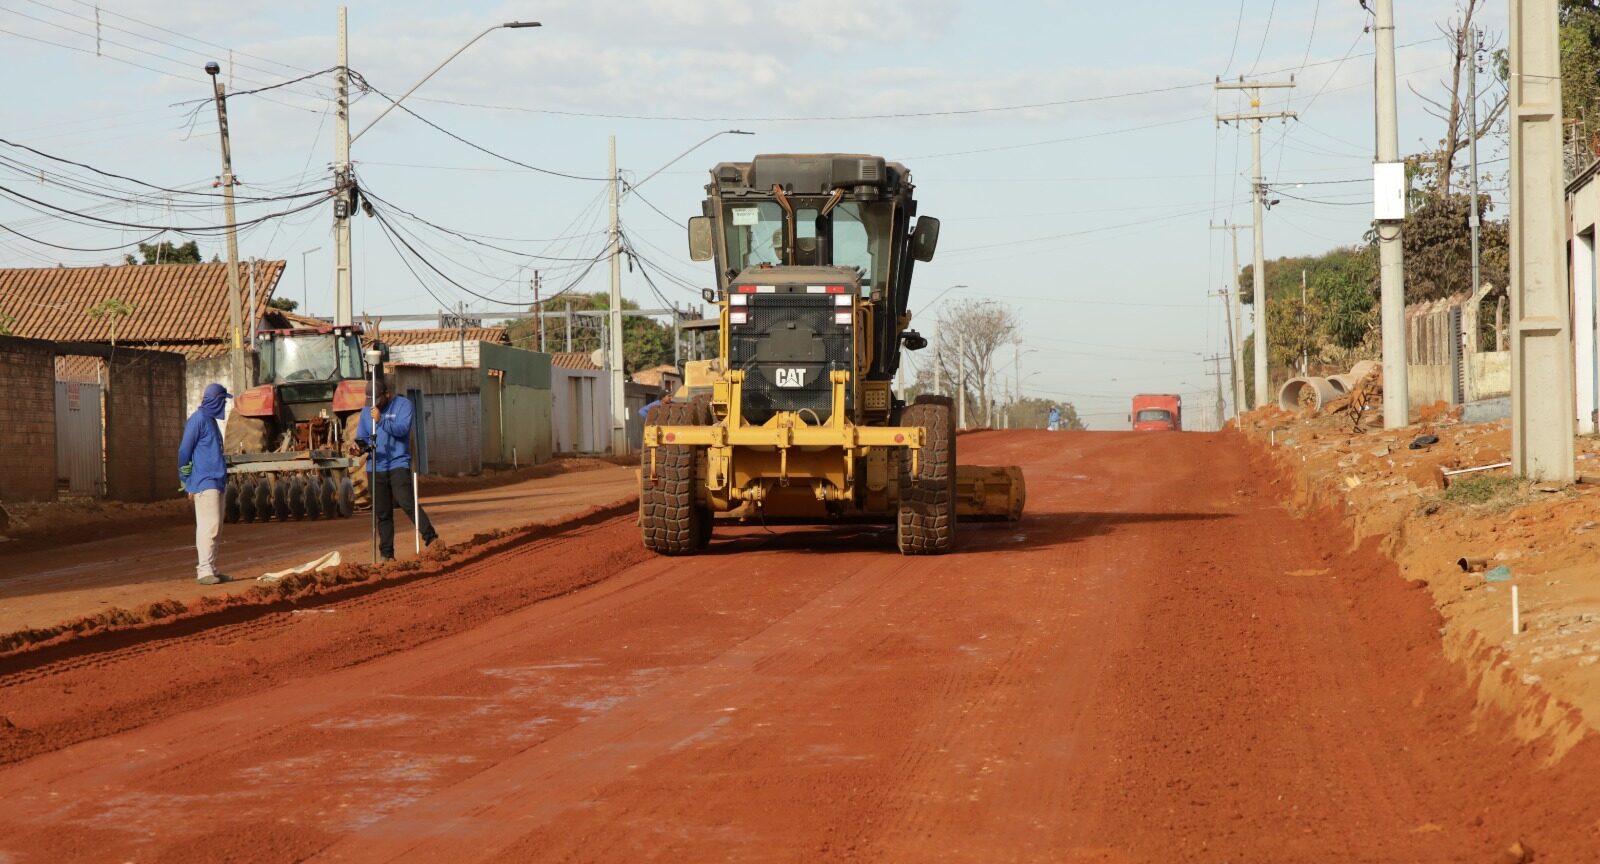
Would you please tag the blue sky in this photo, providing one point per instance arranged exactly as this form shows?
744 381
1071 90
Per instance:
1089 216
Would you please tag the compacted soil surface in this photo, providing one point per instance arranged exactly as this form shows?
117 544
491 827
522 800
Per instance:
1158 664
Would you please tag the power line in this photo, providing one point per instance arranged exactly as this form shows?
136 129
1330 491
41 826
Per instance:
364 84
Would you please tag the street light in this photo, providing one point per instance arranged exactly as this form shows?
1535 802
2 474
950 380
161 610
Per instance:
509 25
708 138
305 292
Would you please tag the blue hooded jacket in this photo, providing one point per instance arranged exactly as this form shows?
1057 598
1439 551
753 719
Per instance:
201 449
393 447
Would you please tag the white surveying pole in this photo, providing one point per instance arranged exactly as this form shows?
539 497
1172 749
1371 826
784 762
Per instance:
1391 257
343 300
1258 294
1542 410
619 404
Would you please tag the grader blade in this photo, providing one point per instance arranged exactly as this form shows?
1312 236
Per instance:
990 493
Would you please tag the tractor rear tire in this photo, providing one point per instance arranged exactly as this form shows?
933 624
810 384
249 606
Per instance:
360 496
926 523
669 518
246 435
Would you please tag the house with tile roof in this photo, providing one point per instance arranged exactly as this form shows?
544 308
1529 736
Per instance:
172 307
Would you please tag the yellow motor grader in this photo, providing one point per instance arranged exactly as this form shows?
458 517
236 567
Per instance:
796 419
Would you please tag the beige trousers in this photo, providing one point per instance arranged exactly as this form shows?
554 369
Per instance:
207 520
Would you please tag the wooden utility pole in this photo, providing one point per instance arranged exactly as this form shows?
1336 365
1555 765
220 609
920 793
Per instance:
239 382
1258 186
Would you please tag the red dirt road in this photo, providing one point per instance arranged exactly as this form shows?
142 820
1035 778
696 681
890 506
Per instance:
1158 664
42 587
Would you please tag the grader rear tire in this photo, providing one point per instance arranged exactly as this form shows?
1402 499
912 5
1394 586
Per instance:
926 523
669 519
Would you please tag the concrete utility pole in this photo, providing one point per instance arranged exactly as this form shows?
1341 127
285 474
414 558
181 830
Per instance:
1391 258
1258 184
619 409
343 299
1542 409
1236 334
1234 384
1222 404
1472 157
540 307
961 382
235 311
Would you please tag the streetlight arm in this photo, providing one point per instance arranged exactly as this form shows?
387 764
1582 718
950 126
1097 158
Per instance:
511 25
687 152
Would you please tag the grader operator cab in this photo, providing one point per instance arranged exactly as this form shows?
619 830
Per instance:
795 420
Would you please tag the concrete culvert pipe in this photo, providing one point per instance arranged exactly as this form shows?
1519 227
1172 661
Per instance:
1295 388
1362 369
1344 382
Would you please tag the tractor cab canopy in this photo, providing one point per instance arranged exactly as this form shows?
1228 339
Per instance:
308 355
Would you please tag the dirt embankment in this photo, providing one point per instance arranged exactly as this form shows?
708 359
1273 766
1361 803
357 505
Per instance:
28 647
1543 540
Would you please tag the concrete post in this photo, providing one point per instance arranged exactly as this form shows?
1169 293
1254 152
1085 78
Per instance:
1542 395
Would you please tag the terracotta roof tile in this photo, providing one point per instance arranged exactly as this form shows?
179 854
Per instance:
429 336
572 360
172 303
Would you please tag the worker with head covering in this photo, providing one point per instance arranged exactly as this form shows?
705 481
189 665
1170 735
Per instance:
203 473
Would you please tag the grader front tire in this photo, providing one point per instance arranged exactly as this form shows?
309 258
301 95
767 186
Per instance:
670 521
926 523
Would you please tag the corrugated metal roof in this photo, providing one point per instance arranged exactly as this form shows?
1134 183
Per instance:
172 303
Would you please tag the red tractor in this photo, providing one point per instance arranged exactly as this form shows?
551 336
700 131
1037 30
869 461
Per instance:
286 438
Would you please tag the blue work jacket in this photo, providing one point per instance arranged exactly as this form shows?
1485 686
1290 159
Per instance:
392 448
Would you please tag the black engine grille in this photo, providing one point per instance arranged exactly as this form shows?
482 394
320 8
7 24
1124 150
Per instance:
786 347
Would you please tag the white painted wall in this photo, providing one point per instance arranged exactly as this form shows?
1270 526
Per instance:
1583 328
436 354
580 402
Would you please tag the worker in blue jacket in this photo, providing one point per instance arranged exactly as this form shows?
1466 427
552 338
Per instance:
203 474
389 466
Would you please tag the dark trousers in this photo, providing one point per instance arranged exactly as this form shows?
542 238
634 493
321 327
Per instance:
388 489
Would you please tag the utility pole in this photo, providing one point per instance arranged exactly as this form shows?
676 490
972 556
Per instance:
569 326
540 307
235 312
1222 404
1472 157
1542 410
1235 385
619 416
961 382
1391 257
1305 359
1236 333
343 182
1258 184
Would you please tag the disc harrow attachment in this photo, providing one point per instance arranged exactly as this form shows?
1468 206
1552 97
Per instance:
284 487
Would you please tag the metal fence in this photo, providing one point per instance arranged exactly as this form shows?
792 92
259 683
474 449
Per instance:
79 461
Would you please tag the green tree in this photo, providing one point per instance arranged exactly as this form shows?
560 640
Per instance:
284 304
1580 62
166 253
646 342
111 310
1438 248
1033 413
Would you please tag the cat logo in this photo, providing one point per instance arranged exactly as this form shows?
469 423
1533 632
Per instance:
791 377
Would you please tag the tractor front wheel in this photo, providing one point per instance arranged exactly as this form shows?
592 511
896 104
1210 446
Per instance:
670 520
926 523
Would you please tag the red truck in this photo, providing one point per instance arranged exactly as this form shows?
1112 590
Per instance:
1157 412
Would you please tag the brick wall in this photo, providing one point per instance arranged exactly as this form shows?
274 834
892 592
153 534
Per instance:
28 435
144 425
435 354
